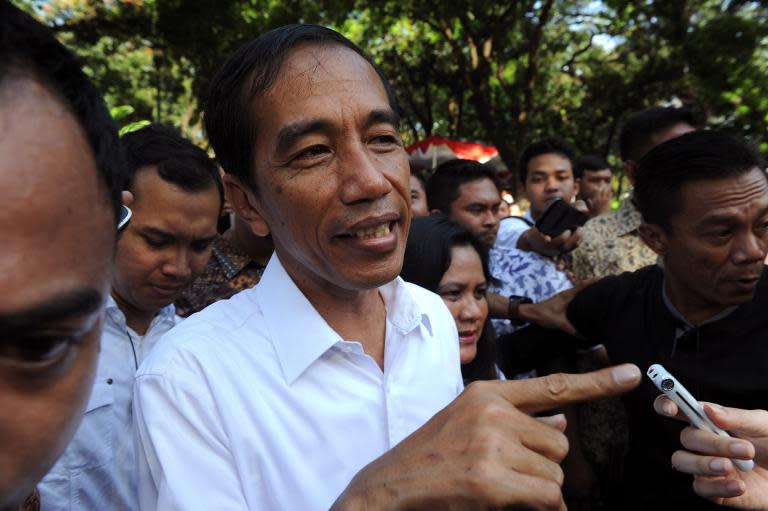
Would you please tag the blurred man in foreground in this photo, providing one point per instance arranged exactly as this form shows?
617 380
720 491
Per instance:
59 201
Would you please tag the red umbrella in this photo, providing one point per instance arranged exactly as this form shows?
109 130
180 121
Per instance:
434 150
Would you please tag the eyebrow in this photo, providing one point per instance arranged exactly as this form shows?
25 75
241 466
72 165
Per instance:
154 231
65 306
724 219
289 134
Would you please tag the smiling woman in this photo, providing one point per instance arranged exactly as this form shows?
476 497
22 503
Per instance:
445 258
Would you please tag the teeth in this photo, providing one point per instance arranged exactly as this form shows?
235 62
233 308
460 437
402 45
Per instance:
374 232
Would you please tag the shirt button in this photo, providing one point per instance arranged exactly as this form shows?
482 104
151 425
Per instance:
109 381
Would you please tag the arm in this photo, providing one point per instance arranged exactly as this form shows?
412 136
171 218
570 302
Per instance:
184 459
484 449
707 456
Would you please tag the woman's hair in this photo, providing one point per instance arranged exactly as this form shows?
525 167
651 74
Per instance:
428 257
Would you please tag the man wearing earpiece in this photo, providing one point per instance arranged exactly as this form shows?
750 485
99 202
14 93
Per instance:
701 313
177 196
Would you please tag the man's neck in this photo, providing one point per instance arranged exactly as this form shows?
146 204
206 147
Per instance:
137 319
257 248
692 310
358 315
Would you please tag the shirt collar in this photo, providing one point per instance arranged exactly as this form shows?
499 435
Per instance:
231 259
299 333
529 216
629 218
167 313
679 317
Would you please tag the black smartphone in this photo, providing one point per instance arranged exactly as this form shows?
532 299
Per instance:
559 217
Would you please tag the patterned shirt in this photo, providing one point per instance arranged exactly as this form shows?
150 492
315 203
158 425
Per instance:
229 271
520 272
611 245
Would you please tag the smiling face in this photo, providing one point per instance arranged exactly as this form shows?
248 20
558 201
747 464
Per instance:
550 176
463 288
167 243
58 237
714 252
331 173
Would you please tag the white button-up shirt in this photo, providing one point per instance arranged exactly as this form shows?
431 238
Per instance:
257 403
98 469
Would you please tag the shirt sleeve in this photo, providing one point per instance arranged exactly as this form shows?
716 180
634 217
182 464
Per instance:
184 457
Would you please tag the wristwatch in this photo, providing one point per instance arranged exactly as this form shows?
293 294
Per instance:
513 307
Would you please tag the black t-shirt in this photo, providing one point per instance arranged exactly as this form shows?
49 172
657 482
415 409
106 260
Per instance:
723 361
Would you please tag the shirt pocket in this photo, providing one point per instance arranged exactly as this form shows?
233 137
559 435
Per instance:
93 444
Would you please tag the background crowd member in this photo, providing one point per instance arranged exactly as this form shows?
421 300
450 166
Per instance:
611 243
332 360
60 176
418 193
237 262
177 199
522 259
708 456
594 175
467 192
447 259
704 201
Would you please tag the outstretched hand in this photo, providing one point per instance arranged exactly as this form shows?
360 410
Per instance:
708 456
484 450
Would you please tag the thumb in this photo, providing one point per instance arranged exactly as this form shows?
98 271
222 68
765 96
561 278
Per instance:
555 390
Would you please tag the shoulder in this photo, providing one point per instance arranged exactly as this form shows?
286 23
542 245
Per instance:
217 333
616 289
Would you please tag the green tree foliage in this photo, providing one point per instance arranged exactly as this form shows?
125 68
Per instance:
503 73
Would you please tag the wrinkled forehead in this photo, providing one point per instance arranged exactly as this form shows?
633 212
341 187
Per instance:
314 69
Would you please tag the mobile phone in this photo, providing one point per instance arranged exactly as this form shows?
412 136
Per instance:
125 217
692 409
559 217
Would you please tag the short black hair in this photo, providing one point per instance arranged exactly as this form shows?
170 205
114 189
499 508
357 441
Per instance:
589 162
636 137
178 160
695 156
250 72
428 257
545 146
443 185
30 51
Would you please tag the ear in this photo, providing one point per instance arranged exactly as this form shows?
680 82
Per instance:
126 197
576 187
630 169
246 205
655 237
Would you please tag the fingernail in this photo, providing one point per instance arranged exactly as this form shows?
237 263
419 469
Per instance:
717 465
667 408
625 373
740 449
734 486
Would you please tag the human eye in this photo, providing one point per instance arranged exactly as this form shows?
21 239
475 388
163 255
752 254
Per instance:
156 242
480 292
311 152
37 352
450 294
201 245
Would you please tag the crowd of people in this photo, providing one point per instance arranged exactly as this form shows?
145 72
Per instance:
363 336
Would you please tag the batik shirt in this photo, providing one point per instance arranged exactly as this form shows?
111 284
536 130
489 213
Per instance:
611 245
520 272
229 271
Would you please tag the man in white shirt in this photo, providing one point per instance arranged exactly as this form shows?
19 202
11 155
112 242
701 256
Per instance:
177 198
278 397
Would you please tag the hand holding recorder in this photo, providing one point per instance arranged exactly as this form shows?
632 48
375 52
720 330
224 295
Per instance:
711 457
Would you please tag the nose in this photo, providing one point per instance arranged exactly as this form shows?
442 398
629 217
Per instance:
471 310
489 218
553 184
750 248
177 265
363 174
